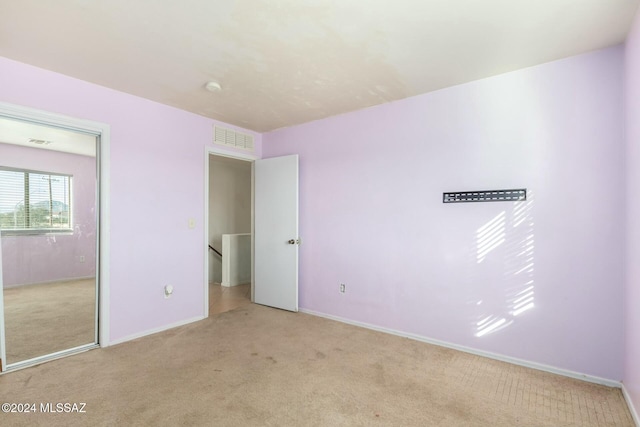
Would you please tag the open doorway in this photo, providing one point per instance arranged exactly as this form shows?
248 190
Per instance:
270 199
229 233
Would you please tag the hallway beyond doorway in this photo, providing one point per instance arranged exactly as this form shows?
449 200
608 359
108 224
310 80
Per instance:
223 298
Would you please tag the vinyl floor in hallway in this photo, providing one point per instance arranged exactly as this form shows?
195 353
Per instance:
223 298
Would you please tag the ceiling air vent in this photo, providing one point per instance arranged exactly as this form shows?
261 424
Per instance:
232 138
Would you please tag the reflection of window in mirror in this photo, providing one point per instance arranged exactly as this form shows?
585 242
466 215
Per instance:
34 202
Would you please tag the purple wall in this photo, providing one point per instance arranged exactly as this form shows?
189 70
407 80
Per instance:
632 352
157 184
372 217
45 258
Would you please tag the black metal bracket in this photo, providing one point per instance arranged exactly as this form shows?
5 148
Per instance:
512 195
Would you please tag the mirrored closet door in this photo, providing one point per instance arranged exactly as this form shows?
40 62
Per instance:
49 238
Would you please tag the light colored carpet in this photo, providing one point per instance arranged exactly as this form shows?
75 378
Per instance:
257 366
46 318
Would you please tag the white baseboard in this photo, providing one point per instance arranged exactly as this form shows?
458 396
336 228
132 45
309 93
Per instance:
632 409
508 359
155 330
49 357
47 282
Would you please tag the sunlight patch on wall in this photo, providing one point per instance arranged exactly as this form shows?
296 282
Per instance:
490 236
508 240
523 301
491 324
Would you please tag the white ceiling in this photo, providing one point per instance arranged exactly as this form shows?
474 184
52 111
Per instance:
22 133
285 62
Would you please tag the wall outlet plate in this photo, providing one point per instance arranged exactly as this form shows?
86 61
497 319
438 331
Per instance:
168 290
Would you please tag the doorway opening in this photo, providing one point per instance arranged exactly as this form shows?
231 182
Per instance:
274 238
229 233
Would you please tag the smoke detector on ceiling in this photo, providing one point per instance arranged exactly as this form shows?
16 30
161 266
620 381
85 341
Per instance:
213 86
39 141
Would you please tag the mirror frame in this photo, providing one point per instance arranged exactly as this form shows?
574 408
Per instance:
102 132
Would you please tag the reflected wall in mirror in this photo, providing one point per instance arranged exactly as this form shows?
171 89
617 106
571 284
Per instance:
48 232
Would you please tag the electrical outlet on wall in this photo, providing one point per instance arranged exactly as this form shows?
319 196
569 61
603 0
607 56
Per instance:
343 288
168 290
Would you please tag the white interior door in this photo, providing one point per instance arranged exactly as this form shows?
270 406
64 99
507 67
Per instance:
276 232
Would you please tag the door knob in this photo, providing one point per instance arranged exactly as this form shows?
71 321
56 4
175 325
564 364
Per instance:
293 241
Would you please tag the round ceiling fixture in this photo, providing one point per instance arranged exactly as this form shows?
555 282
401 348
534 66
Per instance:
213 86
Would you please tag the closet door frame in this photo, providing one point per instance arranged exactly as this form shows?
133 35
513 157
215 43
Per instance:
102 133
